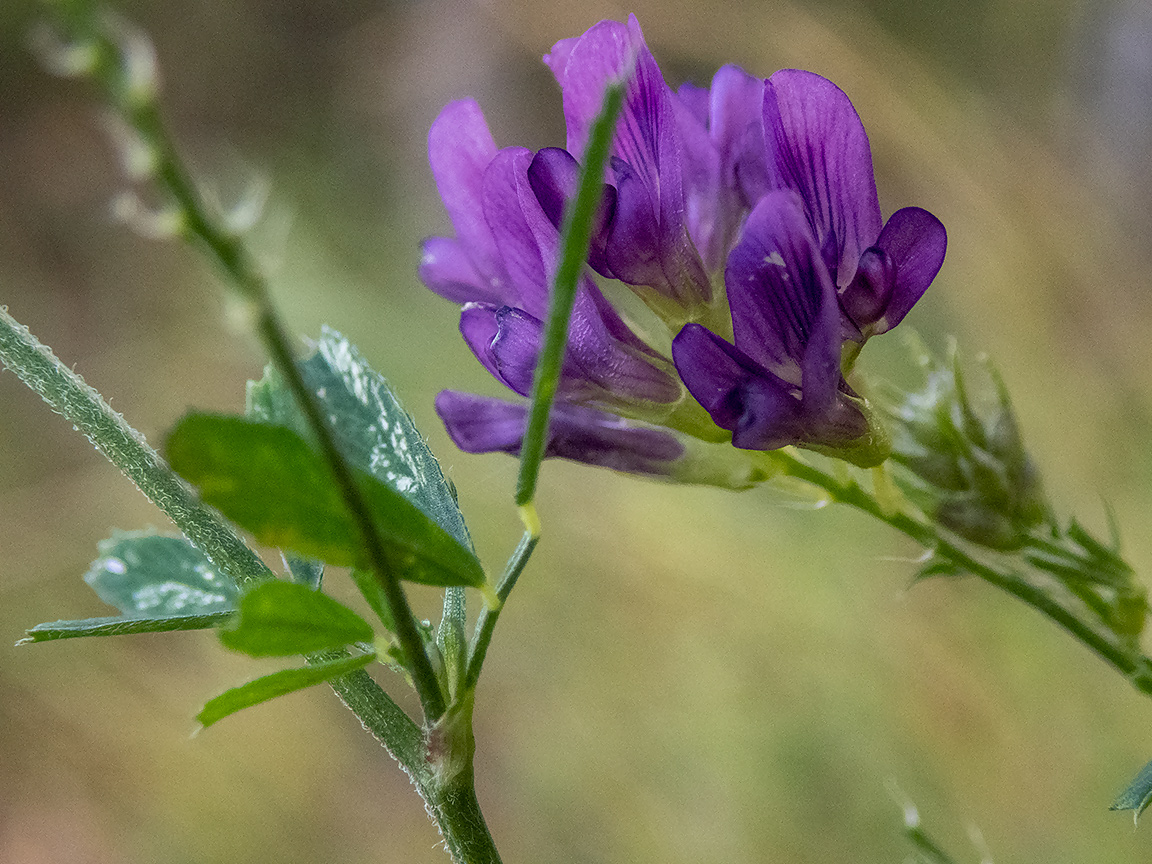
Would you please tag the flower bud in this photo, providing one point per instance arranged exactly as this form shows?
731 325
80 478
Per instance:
969 458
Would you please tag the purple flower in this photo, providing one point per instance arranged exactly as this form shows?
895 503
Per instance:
481 424
813 270
744 215
500 265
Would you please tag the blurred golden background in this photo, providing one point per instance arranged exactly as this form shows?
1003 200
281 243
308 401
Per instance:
683 675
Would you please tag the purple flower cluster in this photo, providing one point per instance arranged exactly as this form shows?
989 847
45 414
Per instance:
744 216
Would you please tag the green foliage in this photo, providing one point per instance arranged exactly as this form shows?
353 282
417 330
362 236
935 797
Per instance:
270 482
373 592
1138 795
159 583
278 684
373 431
121 626
145 574
278 619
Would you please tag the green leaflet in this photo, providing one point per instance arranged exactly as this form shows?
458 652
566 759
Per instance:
151 575
1138 795
278 619
121 626
277 684
372 429
270 482
159 583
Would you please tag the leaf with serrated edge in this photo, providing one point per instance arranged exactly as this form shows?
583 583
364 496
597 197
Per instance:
372 429
278 619
121 626
270 482
1138 795
144 574
277 684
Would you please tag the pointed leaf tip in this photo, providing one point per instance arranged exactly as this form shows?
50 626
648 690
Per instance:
277 684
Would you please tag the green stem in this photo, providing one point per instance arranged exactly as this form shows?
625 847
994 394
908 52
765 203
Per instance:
138 107
456 810
67 394
1138 669
575 237
276 341
486 623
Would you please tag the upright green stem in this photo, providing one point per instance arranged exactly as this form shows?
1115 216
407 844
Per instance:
123 65
1136 667
575 237
486 623
68 395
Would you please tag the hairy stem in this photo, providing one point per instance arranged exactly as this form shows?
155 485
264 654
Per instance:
68 395
123 64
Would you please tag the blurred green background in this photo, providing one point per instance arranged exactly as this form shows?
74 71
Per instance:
683 675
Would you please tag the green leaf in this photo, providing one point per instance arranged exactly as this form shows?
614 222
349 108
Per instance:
147 575
122 626
270 482
1138 795
373 592
278 619
277 684
304 571
373 431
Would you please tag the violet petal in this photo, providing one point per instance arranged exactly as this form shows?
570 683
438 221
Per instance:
817 146
866 299
478 327
620 370
554 176
785 314
480 424
916 241
762 411
632 250
647 141
524 237
460 147
447 269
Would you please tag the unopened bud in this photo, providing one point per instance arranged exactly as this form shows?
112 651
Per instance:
978 476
